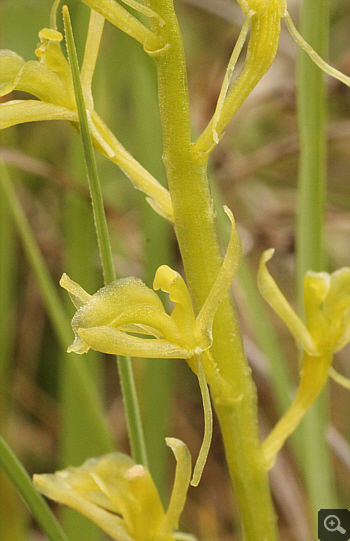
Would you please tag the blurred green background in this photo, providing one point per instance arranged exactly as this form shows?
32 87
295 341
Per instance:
254 170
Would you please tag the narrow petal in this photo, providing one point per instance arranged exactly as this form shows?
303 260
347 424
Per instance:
312 53
20 111
208 423
78 295
180 488
92 46
272 294
228 271
339 378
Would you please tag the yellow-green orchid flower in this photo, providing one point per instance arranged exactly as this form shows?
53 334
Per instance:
120 496
327 330
263 17
127 318
49 79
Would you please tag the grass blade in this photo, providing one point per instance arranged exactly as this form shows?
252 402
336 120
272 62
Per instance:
310 230
124 364
35 502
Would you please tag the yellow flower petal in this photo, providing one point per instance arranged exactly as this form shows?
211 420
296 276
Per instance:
172 282
180 488
114 342
78 295
120 496
58 489
10 66
272 294
20 111
228 271
339 378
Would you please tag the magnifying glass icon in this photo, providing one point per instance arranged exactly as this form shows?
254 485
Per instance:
332 524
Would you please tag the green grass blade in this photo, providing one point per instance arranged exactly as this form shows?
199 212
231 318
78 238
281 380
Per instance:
124 364
12 521
310 230
91 167
92 402
35 502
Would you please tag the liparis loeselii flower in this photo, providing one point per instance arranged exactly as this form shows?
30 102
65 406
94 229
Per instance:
120 496
327 330
128 318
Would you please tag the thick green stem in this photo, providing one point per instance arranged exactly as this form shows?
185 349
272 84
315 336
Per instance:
196 233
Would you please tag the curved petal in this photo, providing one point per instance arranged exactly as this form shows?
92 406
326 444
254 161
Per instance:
78 295
180 487
20 111
170 281
10 66
228 271
152 318
272 294
208 422
37 79
339 378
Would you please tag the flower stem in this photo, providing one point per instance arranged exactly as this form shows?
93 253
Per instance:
196 234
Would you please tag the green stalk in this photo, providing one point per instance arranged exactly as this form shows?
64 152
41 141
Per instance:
310 229
196 234
124 364
35 502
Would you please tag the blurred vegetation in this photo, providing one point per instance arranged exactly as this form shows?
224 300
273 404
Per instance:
254 171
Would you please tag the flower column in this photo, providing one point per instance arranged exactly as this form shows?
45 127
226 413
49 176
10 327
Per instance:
236 402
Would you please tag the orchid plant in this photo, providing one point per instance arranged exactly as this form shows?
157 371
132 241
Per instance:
127 318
